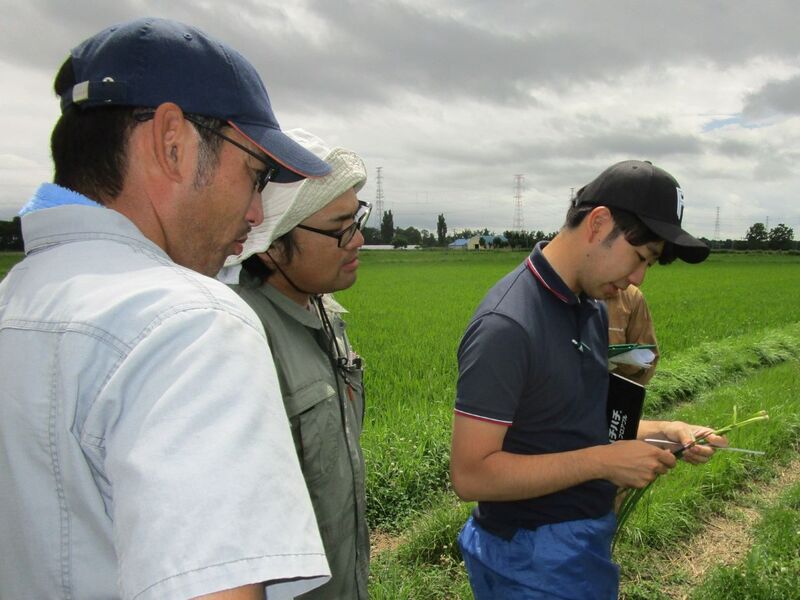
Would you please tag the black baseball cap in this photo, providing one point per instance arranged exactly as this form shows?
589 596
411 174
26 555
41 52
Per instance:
651 194
149 61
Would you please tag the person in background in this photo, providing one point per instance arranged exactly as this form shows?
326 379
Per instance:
629 322
530 435
307 248
144 449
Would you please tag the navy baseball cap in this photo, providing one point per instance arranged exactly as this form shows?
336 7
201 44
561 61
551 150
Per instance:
651 194
146 62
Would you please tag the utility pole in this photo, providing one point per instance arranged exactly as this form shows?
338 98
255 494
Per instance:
519 223
379 197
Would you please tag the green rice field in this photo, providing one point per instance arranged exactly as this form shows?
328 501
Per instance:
729 332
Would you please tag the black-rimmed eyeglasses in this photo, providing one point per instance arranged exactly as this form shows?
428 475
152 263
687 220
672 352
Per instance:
262 177
346 235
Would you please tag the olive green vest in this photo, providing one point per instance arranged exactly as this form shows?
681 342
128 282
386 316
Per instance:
325 406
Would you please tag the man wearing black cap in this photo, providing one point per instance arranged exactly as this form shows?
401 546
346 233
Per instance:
144 449
530 436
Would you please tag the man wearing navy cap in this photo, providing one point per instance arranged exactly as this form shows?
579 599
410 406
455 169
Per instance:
144 449
530 436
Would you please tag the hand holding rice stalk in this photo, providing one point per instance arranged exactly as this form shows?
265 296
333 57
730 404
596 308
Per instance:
631 500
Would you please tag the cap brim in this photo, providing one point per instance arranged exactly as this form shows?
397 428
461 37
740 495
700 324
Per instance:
687 247
297 162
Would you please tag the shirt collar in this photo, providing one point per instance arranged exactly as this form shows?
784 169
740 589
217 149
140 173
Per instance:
67 222
50 195
547 277
306 317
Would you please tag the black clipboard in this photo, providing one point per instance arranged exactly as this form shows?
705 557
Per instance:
623 407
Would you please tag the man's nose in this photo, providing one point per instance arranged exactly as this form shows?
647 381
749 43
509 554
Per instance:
637 277
255 212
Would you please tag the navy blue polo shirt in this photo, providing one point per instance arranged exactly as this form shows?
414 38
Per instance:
534 358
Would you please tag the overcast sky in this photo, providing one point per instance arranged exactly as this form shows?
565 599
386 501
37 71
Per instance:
454 98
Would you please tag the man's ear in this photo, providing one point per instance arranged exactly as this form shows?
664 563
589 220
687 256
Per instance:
174 142
598 223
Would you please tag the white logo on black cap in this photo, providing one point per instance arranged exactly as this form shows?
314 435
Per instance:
679 203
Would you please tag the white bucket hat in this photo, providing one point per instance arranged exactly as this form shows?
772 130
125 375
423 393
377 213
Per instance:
287 205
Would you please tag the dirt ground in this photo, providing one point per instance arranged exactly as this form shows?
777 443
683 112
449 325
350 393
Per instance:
726 540
380 541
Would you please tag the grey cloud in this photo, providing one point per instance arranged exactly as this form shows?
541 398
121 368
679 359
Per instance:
372 53
776 167
642 141
774 98
737 148
370 71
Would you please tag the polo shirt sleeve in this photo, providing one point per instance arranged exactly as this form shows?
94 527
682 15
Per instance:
207 490
493 363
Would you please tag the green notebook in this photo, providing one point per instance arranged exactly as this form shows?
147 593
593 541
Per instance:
615 349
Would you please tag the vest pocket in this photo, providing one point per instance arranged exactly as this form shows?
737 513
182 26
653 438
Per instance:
318 438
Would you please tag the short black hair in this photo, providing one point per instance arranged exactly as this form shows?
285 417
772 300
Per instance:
258 271
626 223
89 146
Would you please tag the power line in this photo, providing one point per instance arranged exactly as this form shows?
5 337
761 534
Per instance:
379 196
519 223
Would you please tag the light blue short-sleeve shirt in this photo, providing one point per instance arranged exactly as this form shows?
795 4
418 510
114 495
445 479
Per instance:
144 449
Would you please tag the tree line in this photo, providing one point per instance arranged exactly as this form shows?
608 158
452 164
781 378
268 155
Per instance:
757 237
386 233
11 235
780 237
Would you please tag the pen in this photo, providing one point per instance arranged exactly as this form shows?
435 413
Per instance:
743 450
579 345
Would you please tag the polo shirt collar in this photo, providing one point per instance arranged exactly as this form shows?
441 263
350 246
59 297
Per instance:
548 278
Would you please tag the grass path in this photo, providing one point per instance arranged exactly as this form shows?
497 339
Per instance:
699 517
771 569
725 539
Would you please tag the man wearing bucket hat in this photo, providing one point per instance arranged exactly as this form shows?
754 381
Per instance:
306 248
145 449
530 436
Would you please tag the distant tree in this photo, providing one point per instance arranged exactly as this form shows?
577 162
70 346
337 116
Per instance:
411 234
780 237
497 242
399 242
371 235
524 239
387 227
428 239
756 236
737 244
441 230
11 234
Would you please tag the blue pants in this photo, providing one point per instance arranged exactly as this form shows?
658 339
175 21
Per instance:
569 561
